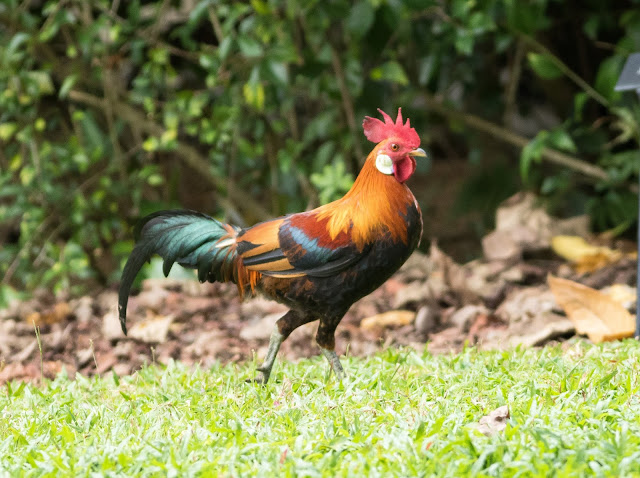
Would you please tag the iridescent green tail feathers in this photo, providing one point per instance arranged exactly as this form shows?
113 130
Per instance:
192 239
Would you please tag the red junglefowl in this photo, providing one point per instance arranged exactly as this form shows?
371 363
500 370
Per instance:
317 262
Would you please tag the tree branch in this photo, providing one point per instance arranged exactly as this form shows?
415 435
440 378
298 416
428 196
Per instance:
507 136
347 102
190 155
568 72
514 81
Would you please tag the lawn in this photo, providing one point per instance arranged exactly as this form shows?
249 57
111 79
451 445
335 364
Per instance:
575 411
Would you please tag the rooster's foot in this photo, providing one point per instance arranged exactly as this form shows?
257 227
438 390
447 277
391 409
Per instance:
262 377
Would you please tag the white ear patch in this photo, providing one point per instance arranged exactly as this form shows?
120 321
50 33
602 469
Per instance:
384 164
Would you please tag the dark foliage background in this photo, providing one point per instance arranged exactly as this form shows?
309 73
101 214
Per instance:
110 109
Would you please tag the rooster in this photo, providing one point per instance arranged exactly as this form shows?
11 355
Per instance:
317 263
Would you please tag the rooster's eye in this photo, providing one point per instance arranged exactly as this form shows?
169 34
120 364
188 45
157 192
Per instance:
394 147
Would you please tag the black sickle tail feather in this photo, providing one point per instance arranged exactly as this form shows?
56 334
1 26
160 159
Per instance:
191 239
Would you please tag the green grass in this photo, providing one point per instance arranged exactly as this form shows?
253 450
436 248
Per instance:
573 413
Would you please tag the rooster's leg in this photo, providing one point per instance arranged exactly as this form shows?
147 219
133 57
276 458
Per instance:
284 326
274 345
334 361
327 341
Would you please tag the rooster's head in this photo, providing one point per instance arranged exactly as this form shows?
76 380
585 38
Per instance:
398 145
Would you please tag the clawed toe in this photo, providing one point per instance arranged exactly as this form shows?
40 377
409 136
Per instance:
262 378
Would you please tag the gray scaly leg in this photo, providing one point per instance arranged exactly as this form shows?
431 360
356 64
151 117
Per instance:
285 325
274 345
334 361
326 339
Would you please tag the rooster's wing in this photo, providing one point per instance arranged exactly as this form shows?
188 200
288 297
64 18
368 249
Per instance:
295 246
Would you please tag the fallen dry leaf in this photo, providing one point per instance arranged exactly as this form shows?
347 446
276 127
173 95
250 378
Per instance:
449 276
152 330
57 313
260 329
539 330
426 319
593 313
495 422
111 328
520 305
572 248
412 293
584 256
393 318
500 246
623 294
464 317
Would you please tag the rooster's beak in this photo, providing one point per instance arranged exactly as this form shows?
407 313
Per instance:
418 153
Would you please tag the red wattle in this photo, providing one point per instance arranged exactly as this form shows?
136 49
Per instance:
403 169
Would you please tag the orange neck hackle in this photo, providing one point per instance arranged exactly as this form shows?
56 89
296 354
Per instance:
376 203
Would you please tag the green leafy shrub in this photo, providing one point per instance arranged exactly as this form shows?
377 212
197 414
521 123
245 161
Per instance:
109 110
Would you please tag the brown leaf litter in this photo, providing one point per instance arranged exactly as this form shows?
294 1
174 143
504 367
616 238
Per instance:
498 301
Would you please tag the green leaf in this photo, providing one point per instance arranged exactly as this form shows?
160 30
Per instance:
333 181
464 41
579 100
40 124
43 80
560 139
26 175
390 71
155 180
249 47
67 84
607 77
159 56
558 183
261 7
7 130
225 47
532 152
481 22
544 66
526 17
279 72
150 144
254 95
591 26
16 42
427 69
360 18
9 295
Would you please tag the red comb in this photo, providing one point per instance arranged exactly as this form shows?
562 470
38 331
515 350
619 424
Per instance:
377 131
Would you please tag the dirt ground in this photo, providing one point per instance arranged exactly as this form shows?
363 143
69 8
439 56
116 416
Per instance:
499 301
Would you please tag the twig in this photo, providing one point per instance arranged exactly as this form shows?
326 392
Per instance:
215 23
93 354
37 329
272 159
155 27
292 118
568 72
14 264
33 147
514 81
347 102
187 55
503 134
54 233
111 96
190 155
